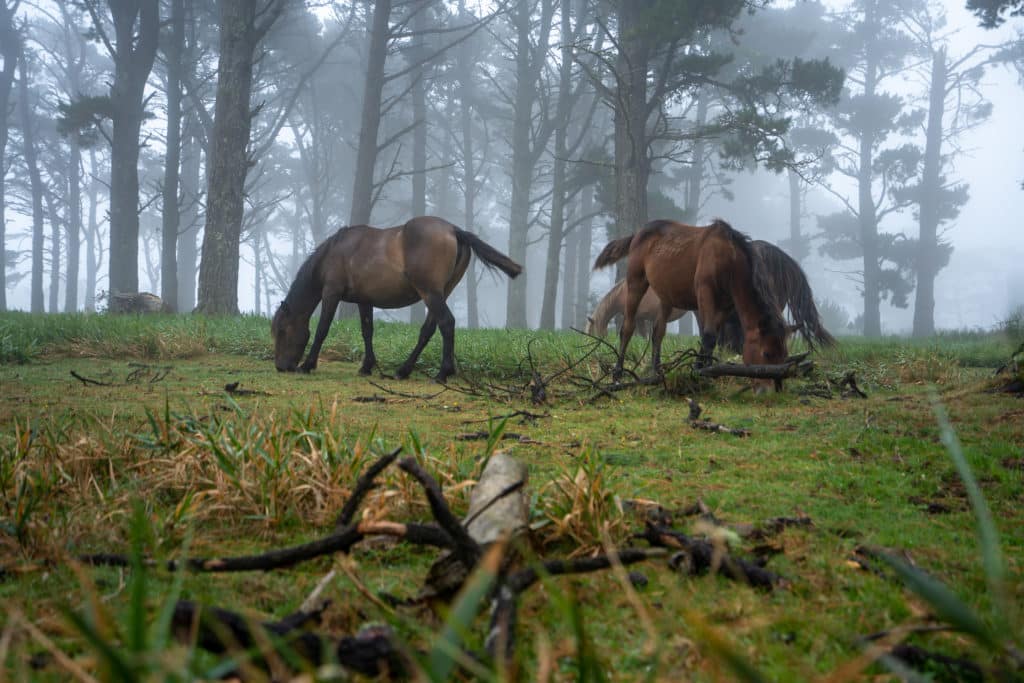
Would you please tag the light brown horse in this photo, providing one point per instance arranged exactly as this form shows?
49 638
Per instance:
788 288
711 270
384 268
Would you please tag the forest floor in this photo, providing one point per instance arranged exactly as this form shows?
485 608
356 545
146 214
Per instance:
175 436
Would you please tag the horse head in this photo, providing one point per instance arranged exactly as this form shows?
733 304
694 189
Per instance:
766 346
290 335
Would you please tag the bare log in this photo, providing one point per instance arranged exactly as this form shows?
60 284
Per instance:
779 371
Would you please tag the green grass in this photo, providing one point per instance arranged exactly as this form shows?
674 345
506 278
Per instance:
218 474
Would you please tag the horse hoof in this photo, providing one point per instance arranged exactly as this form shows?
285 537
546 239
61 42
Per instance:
365 371
306 370
402 373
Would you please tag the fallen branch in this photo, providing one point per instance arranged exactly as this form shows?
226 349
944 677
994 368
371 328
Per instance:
234 389
700 557
370 652
466 549
717 428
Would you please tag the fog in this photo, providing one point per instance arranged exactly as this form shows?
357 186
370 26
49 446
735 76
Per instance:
309 122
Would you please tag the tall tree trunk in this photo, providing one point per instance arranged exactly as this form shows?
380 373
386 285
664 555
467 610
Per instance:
369 125
36 184
190 182
172 160
632 162
133 60
867 212
10 48
695 174
526 147
92 235
931 195
228 162
464 69
418 311
563 109
798 247
257 265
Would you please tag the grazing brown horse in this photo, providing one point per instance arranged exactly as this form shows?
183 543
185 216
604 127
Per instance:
787 287
708 269
383 268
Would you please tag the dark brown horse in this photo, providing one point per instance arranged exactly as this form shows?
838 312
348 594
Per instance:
711 270
787 287
384 268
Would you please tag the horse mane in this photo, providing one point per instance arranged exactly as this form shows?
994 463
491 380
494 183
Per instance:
789 286
770 321
306 286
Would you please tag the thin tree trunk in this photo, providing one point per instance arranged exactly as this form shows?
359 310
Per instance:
572 240
172 160
369 127
867 213
695 174
797 242
469 183
190 182
228 162
36 184
74 225
53 297
583 263
92 236
931 195
257 265
10 47
418 311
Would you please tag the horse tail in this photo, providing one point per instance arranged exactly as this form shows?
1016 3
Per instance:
789 287
608 307
615 250
491 257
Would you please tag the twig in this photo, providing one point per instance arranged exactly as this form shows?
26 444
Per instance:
466 549
364 484
703 556
525 414
86 381
720 429
424 397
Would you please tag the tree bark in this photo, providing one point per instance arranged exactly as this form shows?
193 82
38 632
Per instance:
53 293
36 184
571 260
228 161
190 182
583 265
369 126
931 194
133 60
172 161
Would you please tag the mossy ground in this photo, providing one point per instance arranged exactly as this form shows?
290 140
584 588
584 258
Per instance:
223 474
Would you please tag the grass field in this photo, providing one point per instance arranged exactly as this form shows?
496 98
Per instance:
154 454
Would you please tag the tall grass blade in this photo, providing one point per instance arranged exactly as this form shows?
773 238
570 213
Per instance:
987 533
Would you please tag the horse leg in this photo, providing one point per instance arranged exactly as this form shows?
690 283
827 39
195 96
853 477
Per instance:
426 332
446 323
658 334
328 306
636 287
709 320
366 322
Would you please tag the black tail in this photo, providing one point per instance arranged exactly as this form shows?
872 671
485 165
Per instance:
614 251
491 257
788 286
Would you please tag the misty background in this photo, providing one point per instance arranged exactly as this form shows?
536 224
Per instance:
199 150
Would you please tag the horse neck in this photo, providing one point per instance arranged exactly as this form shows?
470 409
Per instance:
304 294
749 307
610 305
